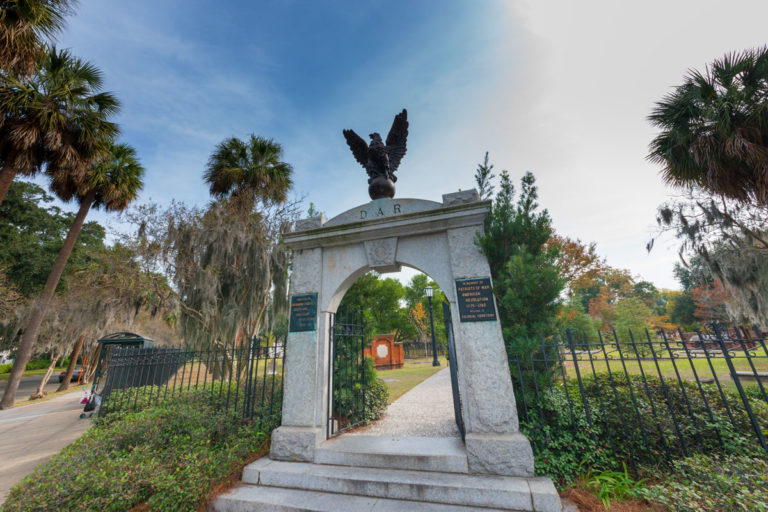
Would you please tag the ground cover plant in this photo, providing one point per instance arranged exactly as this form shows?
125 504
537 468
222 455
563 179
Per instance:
714 483
167 457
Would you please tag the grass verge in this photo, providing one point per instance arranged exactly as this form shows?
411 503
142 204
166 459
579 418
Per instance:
32 373
169 457
51 394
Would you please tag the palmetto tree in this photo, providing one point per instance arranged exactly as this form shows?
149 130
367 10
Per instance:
57 120
714 129
25 25
245 171
112 182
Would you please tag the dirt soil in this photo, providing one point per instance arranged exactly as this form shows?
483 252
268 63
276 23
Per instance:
588 502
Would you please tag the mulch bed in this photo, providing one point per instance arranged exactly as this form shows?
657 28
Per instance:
588 502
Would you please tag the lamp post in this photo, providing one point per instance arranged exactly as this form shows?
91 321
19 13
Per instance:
430 291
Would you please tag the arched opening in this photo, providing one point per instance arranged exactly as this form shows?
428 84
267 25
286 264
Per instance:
388 375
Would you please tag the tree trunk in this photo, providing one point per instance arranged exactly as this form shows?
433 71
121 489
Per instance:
41 305
72 363
6 178
40 393
89 370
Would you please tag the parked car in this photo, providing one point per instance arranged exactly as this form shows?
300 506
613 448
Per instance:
75 375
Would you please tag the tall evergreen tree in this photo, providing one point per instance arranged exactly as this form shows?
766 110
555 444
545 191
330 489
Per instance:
526 278
483 177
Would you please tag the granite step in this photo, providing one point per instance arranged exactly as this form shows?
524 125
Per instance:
252 498
489 491
445 454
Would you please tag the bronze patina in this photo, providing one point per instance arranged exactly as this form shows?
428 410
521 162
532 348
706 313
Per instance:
381 160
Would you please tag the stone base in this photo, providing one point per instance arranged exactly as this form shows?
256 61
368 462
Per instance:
296 444
499 454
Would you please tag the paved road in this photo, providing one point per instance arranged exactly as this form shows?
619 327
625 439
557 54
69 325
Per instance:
424 411
28 385
31 434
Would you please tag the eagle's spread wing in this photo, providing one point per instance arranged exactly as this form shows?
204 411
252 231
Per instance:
358 146
396 139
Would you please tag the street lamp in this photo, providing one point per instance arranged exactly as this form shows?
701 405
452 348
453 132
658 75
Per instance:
430 291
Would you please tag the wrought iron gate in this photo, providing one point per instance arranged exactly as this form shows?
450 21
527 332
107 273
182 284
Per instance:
454 369
346 372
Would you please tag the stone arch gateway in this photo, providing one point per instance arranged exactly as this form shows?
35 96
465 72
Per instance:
383 235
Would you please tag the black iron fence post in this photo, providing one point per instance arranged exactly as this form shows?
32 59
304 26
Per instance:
740 388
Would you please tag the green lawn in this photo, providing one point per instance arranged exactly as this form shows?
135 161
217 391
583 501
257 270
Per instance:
667 367
413 372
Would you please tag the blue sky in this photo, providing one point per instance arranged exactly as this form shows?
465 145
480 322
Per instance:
298 72
559 88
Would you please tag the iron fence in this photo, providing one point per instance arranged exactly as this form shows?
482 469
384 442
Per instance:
420 350
649 398
246 379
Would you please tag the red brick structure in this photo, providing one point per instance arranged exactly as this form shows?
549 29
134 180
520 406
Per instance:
386 354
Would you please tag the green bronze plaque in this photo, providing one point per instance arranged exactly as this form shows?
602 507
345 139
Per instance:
303 312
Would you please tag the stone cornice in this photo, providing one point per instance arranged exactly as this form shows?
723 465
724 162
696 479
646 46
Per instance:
416 223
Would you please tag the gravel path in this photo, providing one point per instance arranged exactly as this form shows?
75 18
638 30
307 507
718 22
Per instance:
424 411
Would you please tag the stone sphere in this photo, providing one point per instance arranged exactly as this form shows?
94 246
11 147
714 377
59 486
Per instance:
381 187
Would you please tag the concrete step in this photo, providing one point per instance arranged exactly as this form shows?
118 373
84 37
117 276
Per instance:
252 498
446 454
506 493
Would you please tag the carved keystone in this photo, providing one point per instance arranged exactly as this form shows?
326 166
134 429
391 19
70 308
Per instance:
381 254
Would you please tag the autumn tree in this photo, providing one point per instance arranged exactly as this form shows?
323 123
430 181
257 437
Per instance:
578 262
711 302
419 319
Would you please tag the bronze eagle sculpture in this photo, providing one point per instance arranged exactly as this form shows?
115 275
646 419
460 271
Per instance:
381 160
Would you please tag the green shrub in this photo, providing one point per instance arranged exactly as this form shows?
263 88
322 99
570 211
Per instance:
376 399
714 483
6 368
168 457
222 396
664 422
563 446
562 439
40 364
351 394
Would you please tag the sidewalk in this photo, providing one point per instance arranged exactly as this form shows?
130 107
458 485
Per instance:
424 411
31 434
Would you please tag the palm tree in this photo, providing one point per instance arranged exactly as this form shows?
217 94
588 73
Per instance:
715 129
245 171
25 25
56 120
112 182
